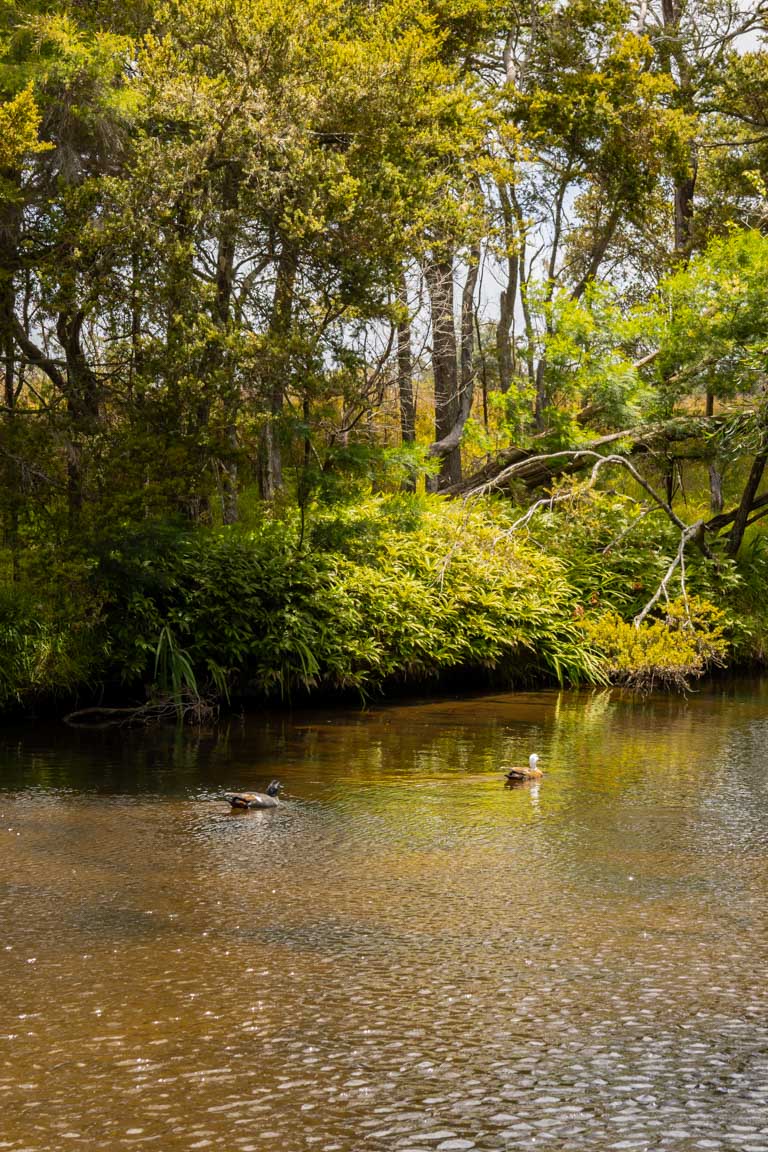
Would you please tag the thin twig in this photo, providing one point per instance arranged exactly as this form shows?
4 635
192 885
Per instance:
628 530
687 535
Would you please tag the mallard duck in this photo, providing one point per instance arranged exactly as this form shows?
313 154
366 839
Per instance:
515 775
266 799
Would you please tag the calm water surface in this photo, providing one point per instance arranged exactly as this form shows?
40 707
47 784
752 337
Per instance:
403 956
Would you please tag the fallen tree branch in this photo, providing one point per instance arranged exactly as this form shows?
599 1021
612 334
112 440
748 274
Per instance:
585 454
99 717
540 469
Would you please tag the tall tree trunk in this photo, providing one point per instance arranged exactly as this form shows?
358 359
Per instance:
225 275
10 226
270 463
542 398
530 334
181 297
406 398
504 352
449 444
83 404
483 370
439 276
179 287
676 64
685 188
215 375
74 391
9 468
715 488
468 331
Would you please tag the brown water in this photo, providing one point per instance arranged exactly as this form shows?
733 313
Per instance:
403 956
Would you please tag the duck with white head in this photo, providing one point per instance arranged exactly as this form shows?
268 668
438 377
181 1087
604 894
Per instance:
532 772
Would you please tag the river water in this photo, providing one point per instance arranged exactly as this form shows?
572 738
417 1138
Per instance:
405 955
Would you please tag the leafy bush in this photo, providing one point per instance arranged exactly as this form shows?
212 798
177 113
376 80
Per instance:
404 589
665 652
387 591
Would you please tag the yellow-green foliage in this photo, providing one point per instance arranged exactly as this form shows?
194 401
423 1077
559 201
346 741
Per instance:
385 592
663 652
456 589
19 123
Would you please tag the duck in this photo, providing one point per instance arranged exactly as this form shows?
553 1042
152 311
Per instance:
268 799
516 775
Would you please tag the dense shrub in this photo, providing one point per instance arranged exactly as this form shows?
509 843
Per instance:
399 593
387 591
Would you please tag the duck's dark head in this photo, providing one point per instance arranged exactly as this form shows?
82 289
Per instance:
273 788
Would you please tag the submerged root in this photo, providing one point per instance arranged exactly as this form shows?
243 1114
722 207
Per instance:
185 708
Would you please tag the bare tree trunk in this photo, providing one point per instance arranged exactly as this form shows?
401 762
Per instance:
541 393
83 405
450 443
715 489
215 372
406 397
10 469
745 504
7 304
405 369
483 370
505 323
180 277
676 64
439 276
684 194
669 479
530 334
468 328
270 463
191 418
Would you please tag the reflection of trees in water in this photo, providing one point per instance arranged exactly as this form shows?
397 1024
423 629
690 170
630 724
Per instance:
164 759
615 739
664 791
600 750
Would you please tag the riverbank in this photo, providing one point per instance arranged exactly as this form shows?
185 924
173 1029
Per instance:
357 601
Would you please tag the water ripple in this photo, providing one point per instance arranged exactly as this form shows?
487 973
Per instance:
404 955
